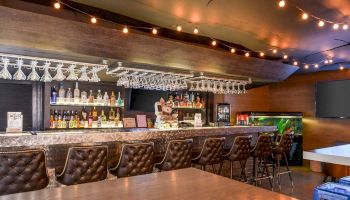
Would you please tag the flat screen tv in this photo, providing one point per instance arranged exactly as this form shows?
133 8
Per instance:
333 99
143 100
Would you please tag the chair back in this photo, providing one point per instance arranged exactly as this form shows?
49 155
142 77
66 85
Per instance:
84 165
212 151
135 159
22 171
263 146
177 156
285 144
240 150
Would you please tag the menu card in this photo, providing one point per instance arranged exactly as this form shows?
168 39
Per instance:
141 121
14 122
129 122
198 120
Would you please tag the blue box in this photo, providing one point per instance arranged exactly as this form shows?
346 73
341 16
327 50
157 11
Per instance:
345 180
332 191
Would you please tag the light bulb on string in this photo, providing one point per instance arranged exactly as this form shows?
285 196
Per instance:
282 3
345 27
195 31
274 51
154 31
316 65
93 20
285 57
213 43
125 30
330 61
321 23
326 61
57 5
247 54
262 54
335 26
233 50
295 63
306 66
304 16
341 67
178 28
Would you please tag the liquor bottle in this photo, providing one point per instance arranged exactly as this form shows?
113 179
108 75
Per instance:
84 97
90 120
113 99
69 95
77 119
117 116
176 100
53 95
55 119
119 100
99 97
111 115
192 99
67 119
94 114
61 93
103 116
105 99
51 119
72 122
76 93
59 120
99 122
91 97
84 114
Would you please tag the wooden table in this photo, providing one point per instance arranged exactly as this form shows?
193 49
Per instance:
182 184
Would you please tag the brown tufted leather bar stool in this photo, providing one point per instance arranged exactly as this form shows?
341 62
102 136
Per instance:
211 153
22 171
135 159
280 152
84 165
262 151
240 152
177 156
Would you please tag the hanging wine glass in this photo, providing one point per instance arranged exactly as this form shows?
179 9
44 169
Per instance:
4 73
94 77
19 75
244 89
46 76
72 75
59 75
33 76
83 76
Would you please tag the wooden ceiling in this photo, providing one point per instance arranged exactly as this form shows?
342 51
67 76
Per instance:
66 35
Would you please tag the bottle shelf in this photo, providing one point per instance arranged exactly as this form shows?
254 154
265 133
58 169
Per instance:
188 108
85 104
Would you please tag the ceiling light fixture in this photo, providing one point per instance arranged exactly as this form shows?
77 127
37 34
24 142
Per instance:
285 57
335 26
274 51
341 67
195 31
316 65
321 23
262 54
233 50
304 16
295 63
57 5
282 3
306 66
178 28
93 20
247 54
125 30
154 31
345 27
213 43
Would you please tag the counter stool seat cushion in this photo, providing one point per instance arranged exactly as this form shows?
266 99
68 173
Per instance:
84 164
211 153
22 171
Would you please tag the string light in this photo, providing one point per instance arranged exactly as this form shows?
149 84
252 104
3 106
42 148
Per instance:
282 3
295 63
345 27
285 56
125 30
178 28
213 43
154 31
326 61
321 23
304 16
93 20
330 61
262 54
341 67
316 65
233 50
335 26
57 5
195 31
247 54
274 51
306 66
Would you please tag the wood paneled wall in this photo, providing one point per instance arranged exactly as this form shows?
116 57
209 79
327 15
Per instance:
297 94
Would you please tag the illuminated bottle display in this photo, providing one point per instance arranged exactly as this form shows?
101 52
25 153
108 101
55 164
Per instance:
76 93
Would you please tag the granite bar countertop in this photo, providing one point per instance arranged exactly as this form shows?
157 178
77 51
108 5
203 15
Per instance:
122 135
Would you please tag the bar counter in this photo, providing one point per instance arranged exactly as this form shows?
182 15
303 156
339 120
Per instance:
57 143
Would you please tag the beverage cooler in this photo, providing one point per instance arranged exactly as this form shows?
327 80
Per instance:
223 113
284 121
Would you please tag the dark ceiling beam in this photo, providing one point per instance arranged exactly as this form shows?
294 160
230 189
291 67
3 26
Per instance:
47 34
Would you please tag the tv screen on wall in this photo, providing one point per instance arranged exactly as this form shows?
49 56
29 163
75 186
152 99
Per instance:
333 99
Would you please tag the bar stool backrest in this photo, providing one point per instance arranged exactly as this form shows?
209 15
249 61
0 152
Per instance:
263 146
177 156
135 159
212 151
285 143
84 165
22 171
240 150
